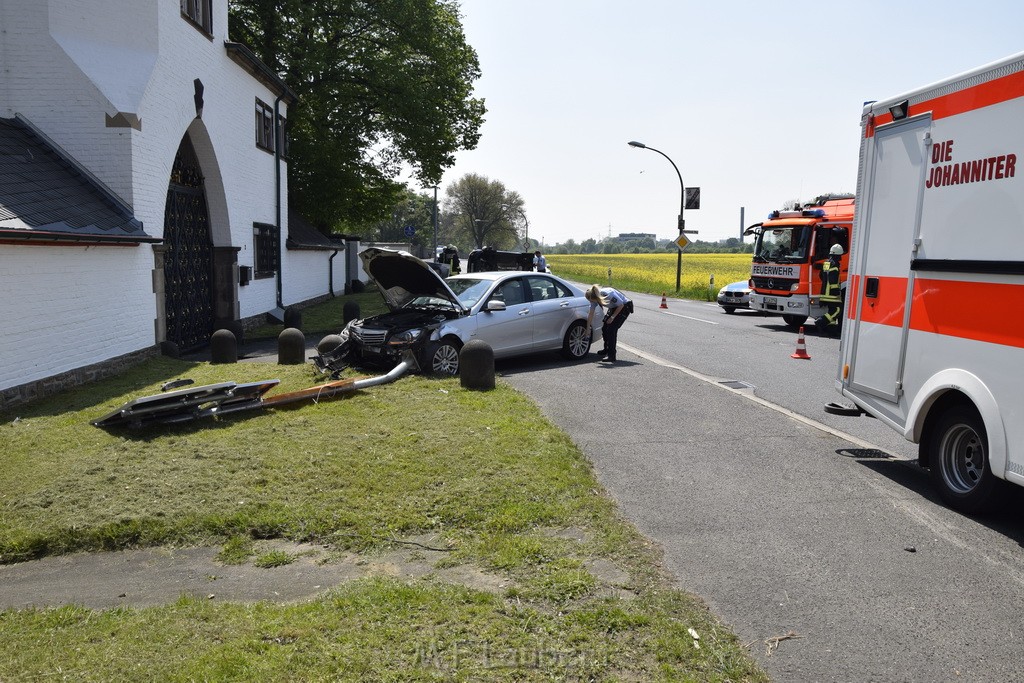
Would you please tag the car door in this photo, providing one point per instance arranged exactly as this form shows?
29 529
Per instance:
510 331
552 311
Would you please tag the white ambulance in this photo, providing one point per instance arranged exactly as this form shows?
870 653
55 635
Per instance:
933 343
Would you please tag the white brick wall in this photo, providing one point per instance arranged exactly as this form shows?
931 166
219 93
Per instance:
67 307
68 64
308 275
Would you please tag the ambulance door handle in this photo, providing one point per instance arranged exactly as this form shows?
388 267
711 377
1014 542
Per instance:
871 290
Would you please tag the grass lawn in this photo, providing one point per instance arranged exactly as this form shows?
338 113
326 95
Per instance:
482 471
327 317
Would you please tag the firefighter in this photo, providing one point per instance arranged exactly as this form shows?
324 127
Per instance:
450 255
831 293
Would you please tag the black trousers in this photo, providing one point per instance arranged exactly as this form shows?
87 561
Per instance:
831 322
610 332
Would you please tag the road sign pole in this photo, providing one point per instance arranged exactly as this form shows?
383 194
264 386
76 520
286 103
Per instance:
679 255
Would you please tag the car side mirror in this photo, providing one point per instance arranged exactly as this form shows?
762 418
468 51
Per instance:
494 305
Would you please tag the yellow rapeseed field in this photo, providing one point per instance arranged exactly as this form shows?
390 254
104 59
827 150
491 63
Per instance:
702 274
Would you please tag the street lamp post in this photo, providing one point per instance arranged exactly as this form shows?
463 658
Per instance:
525 220
682 205
434 221
476 232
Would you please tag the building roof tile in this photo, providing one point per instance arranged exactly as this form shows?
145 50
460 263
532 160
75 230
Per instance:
45 194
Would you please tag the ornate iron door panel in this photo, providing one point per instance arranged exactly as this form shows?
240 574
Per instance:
188 262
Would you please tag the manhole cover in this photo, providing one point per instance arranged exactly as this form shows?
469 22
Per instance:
736 384
864 453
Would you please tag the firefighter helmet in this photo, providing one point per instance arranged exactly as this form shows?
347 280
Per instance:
836 250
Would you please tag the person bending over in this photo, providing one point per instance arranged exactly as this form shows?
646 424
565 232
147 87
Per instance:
616 307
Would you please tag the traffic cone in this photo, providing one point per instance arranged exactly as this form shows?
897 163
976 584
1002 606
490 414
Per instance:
664 304
801 348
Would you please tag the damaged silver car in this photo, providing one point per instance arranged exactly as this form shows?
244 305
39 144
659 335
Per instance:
432 318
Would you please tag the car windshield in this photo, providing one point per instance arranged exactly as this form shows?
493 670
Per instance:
430 302
787 244
469 290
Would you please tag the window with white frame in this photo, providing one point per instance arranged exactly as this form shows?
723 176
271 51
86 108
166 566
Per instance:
264 126
265 132
200 13
282 136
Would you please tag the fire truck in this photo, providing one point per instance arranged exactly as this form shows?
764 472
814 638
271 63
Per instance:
933 341
789 251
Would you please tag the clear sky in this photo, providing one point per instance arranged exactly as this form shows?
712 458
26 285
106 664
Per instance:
757 103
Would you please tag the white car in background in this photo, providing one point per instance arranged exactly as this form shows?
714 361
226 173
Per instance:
734 295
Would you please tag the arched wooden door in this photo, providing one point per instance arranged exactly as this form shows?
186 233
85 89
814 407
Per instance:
188 260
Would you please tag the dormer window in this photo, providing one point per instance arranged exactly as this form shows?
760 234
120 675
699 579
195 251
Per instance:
200 13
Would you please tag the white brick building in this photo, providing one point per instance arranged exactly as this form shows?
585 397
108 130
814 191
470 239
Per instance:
163 115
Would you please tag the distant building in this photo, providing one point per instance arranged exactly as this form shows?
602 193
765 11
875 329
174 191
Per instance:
635 236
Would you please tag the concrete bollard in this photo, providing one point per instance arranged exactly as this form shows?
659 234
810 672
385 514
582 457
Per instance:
328 344
349 312
476 366
236 329
291 347
223 347
170 349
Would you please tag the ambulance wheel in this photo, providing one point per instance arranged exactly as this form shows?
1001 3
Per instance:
443 358
795 321
957 450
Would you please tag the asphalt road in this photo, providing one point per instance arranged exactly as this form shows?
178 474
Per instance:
815 534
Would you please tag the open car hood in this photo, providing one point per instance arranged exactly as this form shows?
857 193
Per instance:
401 277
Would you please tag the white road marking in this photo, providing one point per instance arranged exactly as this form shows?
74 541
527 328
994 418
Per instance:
678 315
749 394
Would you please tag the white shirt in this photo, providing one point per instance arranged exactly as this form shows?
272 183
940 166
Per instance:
540 264
615 299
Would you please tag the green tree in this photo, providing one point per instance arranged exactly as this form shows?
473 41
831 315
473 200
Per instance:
380 84
570 247
484 212
413 210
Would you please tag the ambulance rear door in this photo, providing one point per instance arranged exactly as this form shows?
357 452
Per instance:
888 224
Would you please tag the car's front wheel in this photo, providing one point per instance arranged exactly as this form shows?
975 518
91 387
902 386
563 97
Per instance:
576 344
442 358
